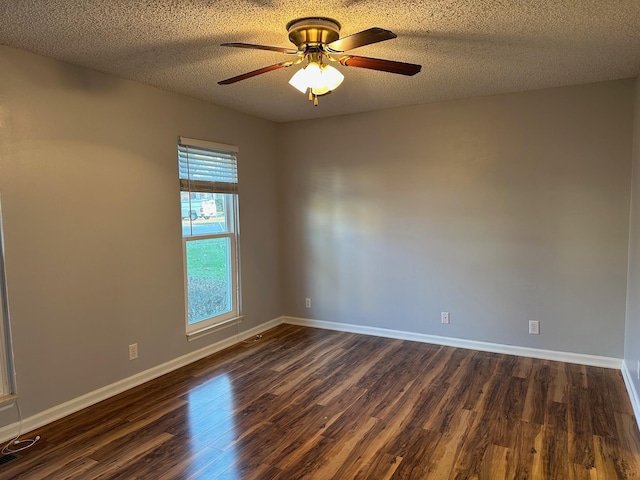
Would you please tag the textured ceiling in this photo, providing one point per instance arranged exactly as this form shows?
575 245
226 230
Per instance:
466 47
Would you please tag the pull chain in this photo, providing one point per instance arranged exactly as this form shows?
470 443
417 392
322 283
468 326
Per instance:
313 98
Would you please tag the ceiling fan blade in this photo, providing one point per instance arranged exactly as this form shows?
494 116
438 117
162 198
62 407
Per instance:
360 39
379 64
260 71
260 47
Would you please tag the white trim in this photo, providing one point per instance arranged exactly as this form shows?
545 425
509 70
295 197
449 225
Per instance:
633 394
193 142
52 414
569 357
7 402
214 328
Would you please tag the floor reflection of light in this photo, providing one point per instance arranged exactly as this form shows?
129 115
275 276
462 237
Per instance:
211 427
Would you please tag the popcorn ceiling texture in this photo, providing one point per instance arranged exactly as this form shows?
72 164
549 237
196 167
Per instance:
466 47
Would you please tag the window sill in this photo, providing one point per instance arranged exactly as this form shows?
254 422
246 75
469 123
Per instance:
214 328
7 401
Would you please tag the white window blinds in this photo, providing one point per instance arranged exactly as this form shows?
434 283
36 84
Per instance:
207 167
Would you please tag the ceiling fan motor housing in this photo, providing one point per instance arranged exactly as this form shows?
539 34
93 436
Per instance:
313 31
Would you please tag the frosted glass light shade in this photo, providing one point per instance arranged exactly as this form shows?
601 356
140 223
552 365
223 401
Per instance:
320 79
332 77
299 80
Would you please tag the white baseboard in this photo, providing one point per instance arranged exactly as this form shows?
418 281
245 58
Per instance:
52 414
633 394
569 357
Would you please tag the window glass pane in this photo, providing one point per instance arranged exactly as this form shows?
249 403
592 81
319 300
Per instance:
205 213
208 278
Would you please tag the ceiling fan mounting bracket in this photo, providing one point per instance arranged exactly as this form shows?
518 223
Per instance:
313 31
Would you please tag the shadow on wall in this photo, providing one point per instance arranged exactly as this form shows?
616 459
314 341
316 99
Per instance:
65 77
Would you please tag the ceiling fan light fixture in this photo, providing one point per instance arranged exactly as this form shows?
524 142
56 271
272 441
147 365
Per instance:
320 79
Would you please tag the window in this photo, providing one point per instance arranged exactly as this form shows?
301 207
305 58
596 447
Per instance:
209 205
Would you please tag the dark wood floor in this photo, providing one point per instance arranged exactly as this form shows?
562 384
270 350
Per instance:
307 403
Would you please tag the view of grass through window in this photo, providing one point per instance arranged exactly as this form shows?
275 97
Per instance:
208 278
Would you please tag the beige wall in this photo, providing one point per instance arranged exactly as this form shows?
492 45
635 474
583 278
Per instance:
632 330
500 210
88 177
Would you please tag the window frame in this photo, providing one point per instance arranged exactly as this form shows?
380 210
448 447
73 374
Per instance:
232 233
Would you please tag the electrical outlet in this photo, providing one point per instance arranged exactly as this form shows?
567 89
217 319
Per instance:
445 318
307 302
133 351
534 327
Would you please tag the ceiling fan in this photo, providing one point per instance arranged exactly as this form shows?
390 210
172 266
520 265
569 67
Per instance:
318 43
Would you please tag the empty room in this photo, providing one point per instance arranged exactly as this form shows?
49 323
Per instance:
282 240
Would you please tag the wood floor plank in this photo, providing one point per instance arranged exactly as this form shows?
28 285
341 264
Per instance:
411 424
168 461
471 456
257 472
483 366
525 457
110 465
628 435
382 467
579 472
322 375
343 459
558 382
524 367
220 465
413 465
576 375
601 405
509 411
608 461
308 403
75 469
42 453
283 430
555 453
580 428
446 451
535 403
556 416
494 463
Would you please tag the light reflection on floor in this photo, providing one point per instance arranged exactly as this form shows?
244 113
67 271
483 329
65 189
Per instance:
211 429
